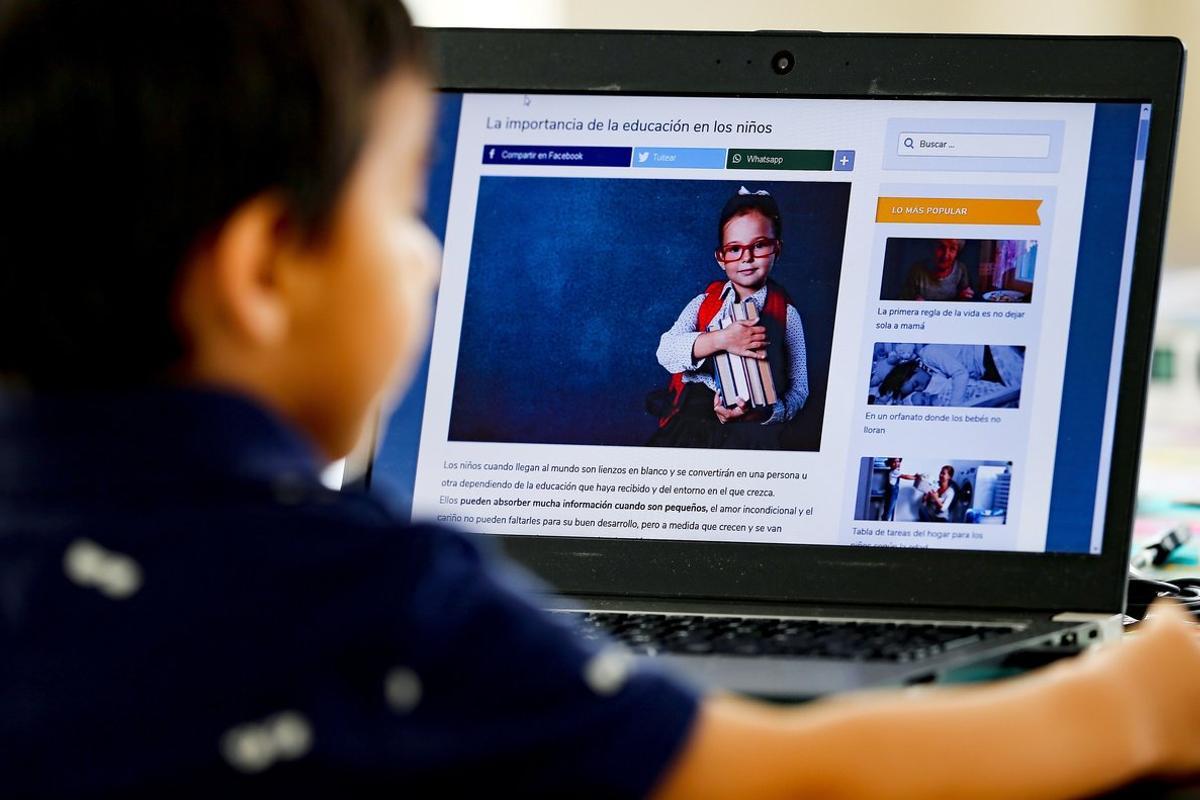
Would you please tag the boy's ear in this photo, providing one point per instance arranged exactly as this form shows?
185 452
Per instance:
243 280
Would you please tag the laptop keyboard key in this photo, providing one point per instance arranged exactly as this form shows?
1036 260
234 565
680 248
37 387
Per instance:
651 634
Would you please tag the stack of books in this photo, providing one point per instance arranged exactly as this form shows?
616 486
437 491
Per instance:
738 377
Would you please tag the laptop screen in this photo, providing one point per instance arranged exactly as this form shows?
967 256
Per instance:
796 321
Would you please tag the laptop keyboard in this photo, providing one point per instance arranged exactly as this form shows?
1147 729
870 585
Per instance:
653 634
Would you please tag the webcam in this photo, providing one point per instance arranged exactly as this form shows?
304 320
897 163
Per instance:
782 62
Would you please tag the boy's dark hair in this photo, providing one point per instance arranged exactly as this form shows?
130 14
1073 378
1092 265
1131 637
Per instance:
741 204
131 131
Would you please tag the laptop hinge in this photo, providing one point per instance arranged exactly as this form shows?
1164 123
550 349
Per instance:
1111 625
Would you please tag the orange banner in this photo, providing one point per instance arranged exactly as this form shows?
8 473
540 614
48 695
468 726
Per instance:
958 210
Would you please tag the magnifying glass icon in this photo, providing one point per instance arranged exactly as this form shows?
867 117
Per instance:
908 142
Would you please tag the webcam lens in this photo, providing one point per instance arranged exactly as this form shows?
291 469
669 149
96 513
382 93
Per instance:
782 62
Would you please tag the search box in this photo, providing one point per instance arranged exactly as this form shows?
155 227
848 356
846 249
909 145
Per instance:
973 145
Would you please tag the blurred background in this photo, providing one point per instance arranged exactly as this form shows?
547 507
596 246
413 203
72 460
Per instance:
1171 464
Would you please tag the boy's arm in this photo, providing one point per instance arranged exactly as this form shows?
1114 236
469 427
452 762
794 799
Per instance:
1070 730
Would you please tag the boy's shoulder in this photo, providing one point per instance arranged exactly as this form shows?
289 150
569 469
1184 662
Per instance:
275 552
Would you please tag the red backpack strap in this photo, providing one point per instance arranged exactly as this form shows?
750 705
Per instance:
777 303
710 306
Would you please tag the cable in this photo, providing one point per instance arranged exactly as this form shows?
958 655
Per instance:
1143 591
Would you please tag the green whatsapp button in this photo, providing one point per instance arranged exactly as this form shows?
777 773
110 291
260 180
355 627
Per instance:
812 160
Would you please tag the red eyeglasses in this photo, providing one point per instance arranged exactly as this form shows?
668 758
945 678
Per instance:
736 251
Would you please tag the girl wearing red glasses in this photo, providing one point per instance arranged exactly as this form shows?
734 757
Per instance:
749 242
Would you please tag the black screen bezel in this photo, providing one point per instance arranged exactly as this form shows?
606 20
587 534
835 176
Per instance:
882 66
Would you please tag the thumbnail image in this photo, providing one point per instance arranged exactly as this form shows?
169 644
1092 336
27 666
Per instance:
955 375
959 270
962 492
635 312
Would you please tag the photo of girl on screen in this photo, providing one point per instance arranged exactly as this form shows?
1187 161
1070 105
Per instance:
749 243
573 281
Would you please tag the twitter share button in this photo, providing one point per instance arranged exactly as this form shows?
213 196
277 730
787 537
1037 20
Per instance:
679 157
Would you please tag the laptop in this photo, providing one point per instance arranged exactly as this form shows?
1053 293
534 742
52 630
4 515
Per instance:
949 249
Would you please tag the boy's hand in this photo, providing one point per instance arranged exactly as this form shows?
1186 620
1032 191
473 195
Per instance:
726 414
744 338
1159 670
1073 729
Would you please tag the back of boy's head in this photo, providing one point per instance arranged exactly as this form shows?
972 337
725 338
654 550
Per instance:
745 202
132 130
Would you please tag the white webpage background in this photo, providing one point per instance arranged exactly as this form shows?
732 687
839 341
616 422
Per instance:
1028 438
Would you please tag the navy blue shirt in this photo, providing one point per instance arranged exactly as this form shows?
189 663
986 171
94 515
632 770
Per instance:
186 611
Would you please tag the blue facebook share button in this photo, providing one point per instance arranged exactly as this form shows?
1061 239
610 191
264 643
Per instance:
680 157
543 156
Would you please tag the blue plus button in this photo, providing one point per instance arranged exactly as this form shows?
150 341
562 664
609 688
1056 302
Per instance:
843 160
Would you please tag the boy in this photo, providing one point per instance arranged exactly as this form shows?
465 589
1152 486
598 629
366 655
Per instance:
184 611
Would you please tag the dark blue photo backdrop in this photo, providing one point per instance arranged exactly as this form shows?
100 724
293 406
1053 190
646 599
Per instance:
572 282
